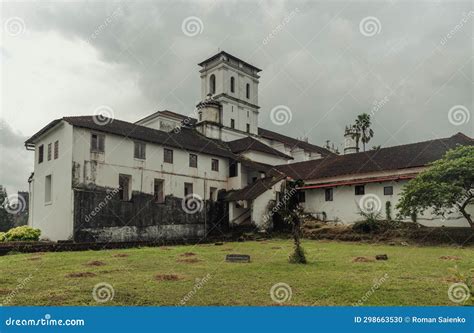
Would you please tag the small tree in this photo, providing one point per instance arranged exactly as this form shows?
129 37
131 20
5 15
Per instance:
6 219
447 186
292 213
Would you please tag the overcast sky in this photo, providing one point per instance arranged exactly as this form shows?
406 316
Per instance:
408 63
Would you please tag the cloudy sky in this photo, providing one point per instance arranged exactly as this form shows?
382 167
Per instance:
408 63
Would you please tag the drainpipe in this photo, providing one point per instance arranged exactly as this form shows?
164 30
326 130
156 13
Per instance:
205 205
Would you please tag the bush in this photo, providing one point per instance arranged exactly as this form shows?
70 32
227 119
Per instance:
366 227
298 256
23 233
2 237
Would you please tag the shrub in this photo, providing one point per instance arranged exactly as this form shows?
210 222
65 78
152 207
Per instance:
298 256
23 233
2 236
367 226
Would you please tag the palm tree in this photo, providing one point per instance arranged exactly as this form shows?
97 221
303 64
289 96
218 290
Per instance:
362 127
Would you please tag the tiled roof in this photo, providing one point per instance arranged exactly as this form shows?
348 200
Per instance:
391 158
190 120
292 143
248 143
252 191
187 139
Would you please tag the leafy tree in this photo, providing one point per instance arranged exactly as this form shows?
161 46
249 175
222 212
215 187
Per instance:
447 186
6 219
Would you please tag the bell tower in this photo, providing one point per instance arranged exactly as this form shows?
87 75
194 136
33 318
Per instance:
233 84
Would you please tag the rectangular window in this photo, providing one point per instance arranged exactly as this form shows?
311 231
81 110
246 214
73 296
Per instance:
359 190
48 189
188 189
97 143
193 160
40 153
56 150
233 169
168 155
232 123
158 191
328 194
139 150
213 194
302 196
388 190
248 128
215 164
49 151
124 187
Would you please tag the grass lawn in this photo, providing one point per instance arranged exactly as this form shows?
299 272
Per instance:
163 276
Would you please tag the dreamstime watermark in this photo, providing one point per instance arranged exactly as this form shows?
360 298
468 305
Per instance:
279 27
370 203
192 203
198 285
21 285
103 115
459 292
14 204
108 20
377 283
458 27
280 204
14 26
192 26
281 115
456 209
103 292
459 115
101 205
378 105
281 292
370 26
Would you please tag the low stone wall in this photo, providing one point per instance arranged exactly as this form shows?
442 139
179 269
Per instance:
99 216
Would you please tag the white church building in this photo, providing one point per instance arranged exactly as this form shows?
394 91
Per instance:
173 175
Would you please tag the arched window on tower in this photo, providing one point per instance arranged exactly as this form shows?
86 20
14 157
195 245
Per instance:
212 84
232 84
247 90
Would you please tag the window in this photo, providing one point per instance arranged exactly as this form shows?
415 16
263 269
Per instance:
188 189
247 90
212 84
328 194
40 153
193 160
97 142
302 196
200 116
232 84
233 169
49 151
139 150
124 187
168 155
232 123
213 194
388 190
48 189
158 191
56 150
359 190
215 164
248 128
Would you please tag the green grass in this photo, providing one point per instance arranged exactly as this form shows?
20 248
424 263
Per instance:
416 275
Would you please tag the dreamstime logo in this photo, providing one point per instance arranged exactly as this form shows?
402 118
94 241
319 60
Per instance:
21 285
278 28
198 285
14 26
281 292
281 115
458 292
370 26
459 115
192 203
103 292
103 115
192 26
370 203
377 284
14 204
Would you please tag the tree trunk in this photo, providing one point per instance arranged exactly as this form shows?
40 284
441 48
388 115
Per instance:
467 216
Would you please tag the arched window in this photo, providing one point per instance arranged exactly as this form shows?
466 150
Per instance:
212 84
247 90
232 84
